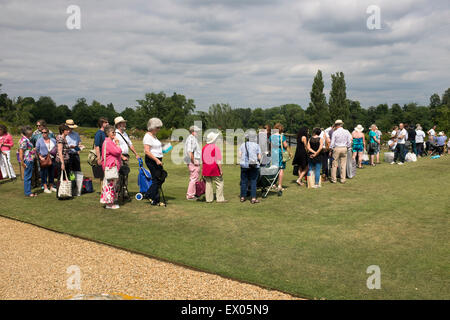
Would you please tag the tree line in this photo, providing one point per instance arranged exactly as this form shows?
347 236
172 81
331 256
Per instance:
177 111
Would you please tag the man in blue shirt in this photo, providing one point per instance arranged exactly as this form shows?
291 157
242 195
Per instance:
99 138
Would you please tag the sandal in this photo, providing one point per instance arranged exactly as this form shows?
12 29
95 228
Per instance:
242 199
300 183
255 201
32 195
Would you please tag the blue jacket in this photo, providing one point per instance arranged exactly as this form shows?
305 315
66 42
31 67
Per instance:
41 147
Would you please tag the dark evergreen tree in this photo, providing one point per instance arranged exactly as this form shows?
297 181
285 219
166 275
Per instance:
318 112
338 103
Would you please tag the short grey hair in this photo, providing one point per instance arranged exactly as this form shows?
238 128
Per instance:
154 123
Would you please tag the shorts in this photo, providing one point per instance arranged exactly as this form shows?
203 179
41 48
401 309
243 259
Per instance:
373 148
358 148
377 149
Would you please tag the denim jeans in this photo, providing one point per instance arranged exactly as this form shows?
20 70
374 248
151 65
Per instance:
246 175
47 175
399 153
28 172
316 167
413 147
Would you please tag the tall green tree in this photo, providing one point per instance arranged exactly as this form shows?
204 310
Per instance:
82 115
338 103
45 108
171 110
396 113
318 111
221 116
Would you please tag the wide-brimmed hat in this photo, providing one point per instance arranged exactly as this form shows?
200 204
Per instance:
339 122
359 128
441 133
211 137
119 120
71 124
194 129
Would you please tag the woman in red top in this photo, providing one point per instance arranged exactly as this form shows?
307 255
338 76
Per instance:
6 143
212 169
111 157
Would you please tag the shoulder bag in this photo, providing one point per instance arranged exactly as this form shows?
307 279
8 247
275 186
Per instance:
92 157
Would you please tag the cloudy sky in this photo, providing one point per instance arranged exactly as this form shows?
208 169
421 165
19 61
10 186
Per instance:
249 53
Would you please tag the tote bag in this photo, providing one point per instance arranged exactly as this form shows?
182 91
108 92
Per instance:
65 186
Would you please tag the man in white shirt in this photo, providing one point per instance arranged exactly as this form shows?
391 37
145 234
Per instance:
192 157
392 143
125 144
341 141
420 137
399 153
431 138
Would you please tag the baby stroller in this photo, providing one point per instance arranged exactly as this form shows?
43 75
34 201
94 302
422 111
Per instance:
144 181
434 149
268 177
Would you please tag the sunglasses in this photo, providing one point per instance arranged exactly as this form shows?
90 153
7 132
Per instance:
44 132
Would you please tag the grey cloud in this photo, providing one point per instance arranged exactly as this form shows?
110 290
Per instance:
248 53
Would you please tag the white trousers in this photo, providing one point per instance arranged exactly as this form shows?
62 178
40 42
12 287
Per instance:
5 165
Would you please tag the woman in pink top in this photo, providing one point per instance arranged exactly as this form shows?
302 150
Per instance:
6 143
212 169
111 157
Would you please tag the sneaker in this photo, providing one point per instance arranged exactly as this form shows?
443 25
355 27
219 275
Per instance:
193 198
47 191
400 163
53 189
392 162
115 206
109 206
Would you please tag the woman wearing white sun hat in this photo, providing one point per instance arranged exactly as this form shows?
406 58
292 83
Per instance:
212 168
359 144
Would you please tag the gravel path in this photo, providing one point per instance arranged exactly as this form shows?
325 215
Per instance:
34 263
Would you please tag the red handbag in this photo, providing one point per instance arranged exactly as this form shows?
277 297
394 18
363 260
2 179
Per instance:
200 187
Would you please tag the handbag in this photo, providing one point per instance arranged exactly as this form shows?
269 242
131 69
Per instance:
110 173
47 162
200 187
87 186
65 187
92 157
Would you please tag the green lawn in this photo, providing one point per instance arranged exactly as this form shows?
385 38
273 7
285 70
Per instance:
311 243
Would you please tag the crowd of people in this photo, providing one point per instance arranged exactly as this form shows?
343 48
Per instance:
321 155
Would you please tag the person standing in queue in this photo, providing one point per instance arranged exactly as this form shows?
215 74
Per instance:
153 159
